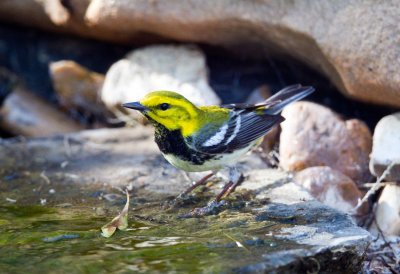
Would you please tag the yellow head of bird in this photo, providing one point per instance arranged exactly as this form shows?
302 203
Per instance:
169 109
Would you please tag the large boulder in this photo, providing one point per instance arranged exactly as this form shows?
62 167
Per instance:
353 42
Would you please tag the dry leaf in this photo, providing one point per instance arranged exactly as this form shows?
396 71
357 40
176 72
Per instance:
120 222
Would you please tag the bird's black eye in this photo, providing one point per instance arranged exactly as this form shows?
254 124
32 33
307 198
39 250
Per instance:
164 106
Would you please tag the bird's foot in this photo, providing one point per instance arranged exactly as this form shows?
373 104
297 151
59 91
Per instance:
179 201
213 207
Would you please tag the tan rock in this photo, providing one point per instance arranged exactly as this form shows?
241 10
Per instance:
313 135
77 87
57 12
55 15
388 210
353 42
330 187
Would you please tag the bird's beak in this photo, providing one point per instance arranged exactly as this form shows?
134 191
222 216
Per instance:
135 105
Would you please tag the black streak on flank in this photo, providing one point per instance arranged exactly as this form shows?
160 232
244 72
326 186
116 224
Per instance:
172 142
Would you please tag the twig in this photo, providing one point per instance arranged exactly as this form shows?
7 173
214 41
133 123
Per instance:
388 265
378 184
239 244
369 185
44 177
67 147
381 252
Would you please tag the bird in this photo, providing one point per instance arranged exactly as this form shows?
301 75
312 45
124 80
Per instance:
209 138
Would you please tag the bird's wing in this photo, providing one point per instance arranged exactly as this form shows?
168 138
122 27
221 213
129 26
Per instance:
238 132
245 106
247 122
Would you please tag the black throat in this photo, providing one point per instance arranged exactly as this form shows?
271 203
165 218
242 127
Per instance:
172 142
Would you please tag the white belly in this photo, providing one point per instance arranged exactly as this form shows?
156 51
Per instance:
212 164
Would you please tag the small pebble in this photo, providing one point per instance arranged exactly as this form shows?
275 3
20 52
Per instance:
111 197
10 177
387 214
60 237
100 211
64 205
64 164
254 242
386 148
11 200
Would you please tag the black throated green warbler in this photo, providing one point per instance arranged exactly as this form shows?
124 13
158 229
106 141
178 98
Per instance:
206 138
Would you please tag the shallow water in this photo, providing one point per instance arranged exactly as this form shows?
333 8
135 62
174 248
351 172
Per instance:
63 234
43 239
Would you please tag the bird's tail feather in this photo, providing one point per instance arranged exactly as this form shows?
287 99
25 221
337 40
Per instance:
286 96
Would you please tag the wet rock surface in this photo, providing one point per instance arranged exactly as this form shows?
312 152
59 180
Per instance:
313 135
331 232
269 224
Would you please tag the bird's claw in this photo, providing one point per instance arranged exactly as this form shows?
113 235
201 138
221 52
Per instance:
181 200
182 196
213 207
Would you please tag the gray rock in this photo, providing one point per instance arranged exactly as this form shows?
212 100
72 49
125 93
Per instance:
386 147
23 113
281 227
319 230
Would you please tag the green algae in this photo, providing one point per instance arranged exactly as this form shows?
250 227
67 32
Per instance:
67 240
64 235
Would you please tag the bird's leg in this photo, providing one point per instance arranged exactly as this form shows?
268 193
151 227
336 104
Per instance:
234 185
181 197
235 178
200 182
226 188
